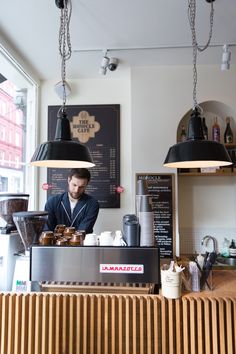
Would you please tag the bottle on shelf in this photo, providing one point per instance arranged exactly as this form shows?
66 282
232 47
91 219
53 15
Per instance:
204 128
215 130
228 135
232 249
183 135
225 248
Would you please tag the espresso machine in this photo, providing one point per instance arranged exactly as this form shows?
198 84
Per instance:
10 240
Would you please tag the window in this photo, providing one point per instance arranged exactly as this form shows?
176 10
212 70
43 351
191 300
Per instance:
18 93
18 138
2 133
10 136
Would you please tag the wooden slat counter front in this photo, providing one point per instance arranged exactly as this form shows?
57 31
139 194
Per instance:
62 323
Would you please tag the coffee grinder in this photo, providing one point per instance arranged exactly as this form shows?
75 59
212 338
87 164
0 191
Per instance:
30 225
11 203
10 240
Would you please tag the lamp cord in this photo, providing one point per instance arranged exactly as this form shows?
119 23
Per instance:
196 47
64 44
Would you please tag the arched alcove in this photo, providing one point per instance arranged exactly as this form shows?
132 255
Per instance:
212 109
207 201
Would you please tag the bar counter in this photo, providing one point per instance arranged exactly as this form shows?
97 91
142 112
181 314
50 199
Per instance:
66 323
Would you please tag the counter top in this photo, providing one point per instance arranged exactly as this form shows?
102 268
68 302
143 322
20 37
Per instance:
185 258
224 285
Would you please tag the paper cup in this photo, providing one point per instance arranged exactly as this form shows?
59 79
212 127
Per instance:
171 284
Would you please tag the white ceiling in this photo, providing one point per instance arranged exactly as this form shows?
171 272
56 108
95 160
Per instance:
31 27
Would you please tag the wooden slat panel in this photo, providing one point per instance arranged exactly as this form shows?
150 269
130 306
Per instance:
52 324
85 324
24 323
11 322
99 325
120 310
38 324
179 326
45 323
200 326
136 318
4 323
207 323
72 337
186 326
115 324
230 322
234 324
106 325
127 322
156 325
17 331
222 332
164 326
78 325
92 325
114 319
215 325
171 321
193 332
149 326
141 326
31 324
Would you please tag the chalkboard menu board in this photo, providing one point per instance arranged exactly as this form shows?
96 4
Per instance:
161 188
98 127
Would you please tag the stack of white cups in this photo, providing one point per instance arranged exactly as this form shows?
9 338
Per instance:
145 214
146 220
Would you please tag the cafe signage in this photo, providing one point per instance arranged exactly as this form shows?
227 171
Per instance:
97 127
160 187
122 268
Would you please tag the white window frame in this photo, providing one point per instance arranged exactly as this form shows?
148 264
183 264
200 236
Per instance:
9 61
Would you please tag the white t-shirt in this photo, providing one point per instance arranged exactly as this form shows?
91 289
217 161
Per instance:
73 203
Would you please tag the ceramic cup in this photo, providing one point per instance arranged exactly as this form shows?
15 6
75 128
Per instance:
91 240
106 238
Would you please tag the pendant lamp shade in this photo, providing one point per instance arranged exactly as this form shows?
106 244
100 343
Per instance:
63 152
196 152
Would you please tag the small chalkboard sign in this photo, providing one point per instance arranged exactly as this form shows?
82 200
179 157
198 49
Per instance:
161 187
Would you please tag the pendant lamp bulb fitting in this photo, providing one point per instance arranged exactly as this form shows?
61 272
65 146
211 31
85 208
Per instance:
60 3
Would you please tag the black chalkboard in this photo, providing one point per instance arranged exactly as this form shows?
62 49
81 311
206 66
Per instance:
98 127
161 187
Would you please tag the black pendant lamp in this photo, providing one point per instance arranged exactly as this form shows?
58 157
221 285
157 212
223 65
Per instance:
196 152
63 152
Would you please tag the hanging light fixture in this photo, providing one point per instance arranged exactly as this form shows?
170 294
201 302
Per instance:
196 152
63 152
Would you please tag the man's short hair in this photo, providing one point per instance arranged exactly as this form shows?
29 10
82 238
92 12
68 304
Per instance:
80 173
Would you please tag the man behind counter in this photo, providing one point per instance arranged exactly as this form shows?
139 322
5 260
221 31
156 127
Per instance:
75 207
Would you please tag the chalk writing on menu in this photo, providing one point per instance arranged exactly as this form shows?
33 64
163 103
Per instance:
161 188
98 127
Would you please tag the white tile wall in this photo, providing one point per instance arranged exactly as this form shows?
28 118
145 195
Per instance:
190 239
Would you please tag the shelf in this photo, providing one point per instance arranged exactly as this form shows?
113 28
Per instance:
200 174
230 146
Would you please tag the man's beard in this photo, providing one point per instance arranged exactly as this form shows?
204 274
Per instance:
74 195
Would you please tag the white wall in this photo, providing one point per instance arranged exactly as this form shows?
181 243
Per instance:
100 91
160 96
153 101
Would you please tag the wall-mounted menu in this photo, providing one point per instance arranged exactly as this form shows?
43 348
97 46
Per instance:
161 188
98 127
